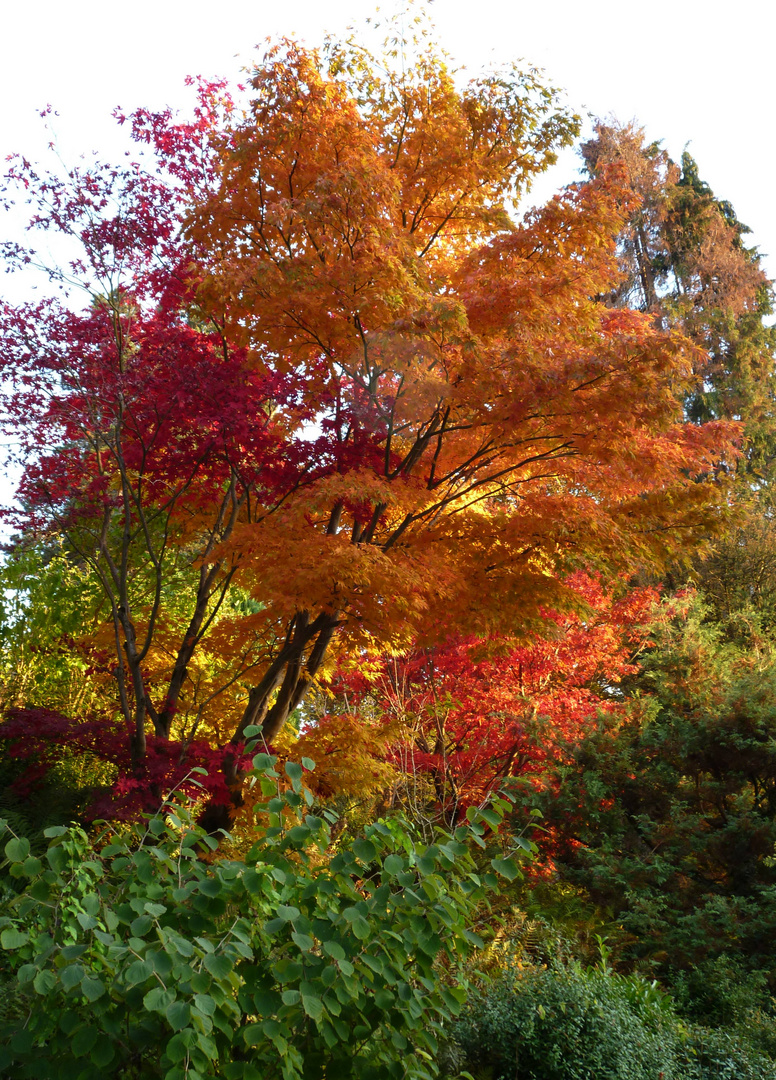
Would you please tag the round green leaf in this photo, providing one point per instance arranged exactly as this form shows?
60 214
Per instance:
102 1054
84 1040
218 966
138 972
11 938
18 849
178 1014
253 1034
313 1006
71 975
205 1003
180 1044
44 982
505 867
364 850
360 927
92 988
158 999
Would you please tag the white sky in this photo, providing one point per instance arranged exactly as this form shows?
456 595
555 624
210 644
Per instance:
688 71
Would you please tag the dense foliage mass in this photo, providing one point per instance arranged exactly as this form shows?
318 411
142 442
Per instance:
137 955
337 457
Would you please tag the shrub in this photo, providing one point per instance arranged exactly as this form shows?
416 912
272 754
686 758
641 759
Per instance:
564 1022
143 956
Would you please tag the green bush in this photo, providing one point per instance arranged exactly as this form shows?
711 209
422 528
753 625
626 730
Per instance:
564 1022
567 1023
664 815
144 956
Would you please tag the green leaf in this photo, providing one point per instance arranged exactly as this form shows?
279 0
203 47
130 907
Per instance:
18 849
84 1040
178 1014
71 975
452 1001
44 982
205 1003
12 938
253 1034
179 1045
286 971
293 770
506 867
55 830
312 1006
393 865
288 913
158 999
73 952
334 949
298 834
304 941
92 988
365 850
140 926
102 1054
138 972
218 965
360 927
91 903
308 764
21 1041
57 859
207 1046
266 1002
182 946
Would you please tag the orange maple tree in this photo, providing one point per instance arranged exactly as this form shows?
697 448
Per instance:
484 423
441 419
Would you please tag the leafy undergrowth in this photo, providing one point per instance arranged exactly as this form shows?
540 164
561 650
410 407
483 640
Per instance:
142 955
558 1020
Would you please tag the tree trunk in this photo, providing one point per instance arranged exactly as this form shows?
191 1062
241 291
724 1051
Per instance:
290 674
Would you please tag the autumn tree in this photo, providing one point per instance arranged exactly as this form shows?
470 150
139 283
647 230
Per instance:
488 424
685 260
327 393
460 719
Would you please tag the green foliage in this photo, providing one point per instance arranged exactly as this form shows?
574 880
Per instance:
47 605
144 956
668 818
564 1022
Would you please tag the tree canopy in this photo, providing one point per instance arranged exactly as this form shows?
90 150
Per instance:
327 394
